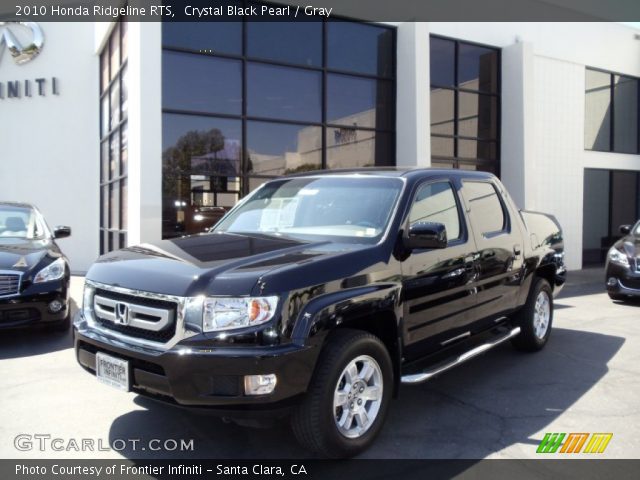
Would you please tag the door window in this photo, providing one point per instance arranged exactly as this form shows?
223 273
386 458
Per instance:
486 207
436 202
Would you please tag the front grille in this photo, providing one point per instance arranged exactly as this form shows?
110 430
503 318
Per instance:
9 284
140 317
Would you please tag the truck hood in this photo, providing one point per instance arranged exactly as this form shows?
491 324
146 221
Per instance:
215 263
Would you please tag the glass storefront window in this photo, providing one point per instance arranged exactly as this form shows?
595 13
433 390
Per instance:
477 115
611 112
597 122
315 95
625 114
200 170
359 102
360 48
113 140
477 68
204 37
465 104
442 59
276 149
284 93
201 83
288 42
352 148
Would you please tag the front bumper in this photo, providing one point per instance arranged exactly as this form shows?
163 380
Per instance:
210 378
31 307
622 281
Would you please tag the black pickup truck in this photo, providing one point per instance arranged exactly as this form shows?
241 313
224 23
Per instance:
318 295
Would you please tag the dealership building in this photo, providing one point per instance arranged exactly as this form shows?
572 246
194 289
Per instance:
130 132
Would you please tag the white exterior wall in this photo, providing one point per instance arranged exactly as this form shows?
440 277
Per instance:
50 144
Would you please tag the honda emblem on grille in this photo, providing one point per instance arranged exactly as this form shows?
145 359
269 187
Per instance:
122 313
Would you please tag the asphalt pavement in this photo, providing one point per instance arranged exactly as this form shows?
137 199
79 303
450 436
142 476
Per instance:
499 405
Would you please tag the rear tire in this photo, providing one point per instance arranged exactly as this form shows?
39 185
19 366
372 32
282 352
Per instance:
535 318
348 397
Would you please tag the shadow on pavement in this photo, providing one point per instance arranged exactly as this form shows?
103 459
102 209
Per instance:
499 399
38 340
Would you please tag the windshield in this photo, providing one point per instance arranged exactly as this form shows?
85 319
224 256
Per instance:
19 222
354 208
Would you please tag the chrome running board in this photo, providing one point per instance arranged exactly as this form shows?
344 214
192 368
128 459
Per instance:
446 365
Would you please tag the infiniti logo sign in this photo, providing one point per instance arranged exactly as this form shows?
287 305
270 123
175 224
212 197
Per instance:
21 53
122 313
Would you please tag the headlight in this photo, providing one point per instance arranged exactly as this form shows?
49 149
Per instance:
618 257
225 313
54 271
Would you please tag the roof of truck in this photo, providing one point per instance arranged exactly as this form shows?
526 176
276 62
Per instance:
409 172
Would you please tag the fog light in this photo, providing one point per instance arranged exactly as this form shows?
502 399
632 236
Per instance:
56 306
259 384
612 282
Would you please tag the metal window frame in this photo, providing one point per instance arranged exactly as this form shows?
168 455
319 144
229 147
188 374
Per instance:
612 107
323 69
456 160
119 176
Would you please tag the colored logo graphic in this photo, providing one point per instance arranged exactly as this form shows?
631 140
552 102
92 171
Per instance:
597 443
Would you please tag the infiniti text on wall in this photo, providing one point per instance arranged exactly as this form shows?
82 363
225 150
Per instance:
38 87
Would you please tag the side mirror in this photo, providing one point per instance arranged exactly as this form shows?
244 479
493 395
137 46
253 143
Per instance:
625 229
426 235
61 232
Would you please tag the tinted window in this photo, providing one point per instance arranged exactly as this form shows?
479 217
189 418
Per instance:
625 112
485 206
201 144
200 171
597 121
477 150
436 202
465 105
477 68
357 47
360 102
279 149
286 93
288 42
352 148
442 62
442 112
204 37
201 83
477 115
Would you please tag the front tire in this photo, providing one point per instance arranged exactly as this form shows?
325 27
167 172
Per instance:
347 401
535 318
